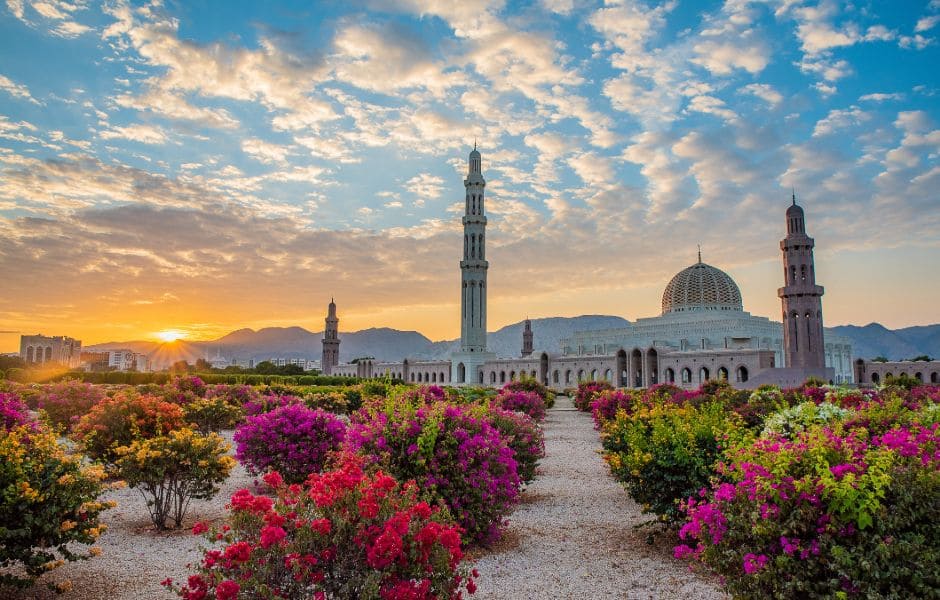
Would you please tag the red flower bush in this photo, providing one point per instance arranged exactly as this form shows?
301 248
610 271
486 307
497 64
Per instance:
606 404
343 534
65 402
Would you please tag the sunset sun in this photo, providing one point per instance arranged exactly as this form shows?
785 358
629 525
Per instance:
169 335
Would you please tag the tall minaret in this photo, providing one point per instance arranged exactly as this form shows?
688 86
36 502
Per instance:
801 297
527 348
473 266
330 356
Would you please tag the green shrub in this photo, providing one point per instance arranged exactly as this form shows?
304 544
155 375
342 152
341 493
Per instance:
170 470
794 419
334 402
48 505
665 453
212 414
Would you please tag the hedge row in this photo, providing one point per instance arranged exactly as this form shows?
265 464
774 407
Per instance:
133 378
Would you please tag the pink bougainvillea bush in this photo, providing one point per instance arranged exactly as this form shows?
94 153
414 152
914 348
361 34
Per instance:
587 390
342 534
13 412
65 402
453 455
523 435
529 403
185 389
832 512
268 402
293 440
605 405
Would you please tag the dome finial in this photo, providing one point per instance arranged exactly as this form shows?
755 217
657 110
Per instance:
699 254
793 190
474 142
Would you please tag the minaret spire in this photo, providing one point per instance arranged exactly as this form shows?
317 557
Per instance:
700 254
330 356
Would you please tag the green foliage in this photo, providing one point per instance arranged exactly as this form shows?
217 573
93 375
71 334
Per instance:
212 414
794 419
665 453
170 470
903 380
48 505
132 378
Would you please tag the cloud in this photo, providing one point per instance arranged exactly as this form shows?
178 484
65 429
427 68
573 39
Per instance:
265 152
425 187
765 92
145 134
723 57
16 90
880 97
927 23
838 120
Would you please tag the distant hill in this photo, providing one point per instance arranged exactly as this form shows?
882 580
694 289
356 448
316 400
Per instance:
875 339
391 344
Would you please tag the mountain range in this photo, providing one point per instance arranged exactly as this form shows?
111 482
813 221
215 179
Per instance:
387 344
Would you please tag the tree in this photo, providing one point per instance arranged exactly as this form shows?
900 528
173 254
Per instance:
881 359
266 367
11 362
203 366
180 366
922 357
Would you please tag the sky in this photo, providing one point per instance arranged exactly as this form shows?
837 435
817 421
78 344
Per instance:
210 165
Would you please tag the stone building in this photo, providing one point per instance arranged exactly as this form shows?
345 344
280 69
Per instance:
39 350
868 372
702 333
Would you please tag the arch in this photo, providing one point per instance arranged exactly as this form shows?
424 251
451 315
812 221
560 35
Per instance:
669 375
480 373
703 374
555 376
502 376
875 378
622 375
652 366
433 377
441 377
461 373
512 376
533 374
593 374
580 375
48 357
636 368
29 354
686 375
933 377
802 272
741 374
889 374
722 373
568 376
543 369
492 376
412 378
607 375
919 376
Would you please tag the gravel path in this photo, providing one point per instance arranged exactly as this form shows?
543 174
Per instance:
573 535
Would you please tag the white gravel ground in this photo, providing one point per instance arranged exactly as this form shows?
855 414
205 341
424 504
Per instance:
572 537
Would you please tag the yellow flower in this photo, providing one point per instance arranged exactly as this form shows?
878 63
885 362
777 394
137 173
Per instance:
63 586
67 525
94 551
67 479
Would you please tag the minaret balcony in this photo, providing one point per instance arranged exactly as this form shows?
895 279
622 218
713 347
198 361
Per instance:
474 264
800 289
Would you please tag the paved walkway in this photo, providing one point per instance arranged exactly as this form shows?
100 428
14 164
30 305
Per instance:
573 536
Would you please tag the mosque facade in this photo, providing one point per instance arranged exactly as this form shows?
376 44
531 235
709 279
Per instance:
702 333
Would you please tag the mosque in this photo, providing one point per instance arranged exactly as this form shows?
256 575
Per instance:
703 332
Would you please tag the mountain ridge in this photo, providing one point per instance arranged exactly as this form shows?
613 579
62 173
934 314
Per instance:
388 344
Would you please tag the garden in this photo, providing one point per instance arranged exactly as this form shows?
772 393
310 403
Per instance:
356 490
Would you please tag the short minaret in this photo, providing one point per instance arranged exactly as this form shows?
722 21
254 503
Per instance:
527 339
330 356
801 297
473 266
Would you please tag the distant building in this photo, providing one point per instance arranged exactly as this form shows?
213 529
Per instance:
869 372
128 360
94 361
37 350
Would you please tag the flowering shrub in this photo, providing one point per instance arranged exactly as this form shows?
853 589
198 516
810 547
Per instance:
523 435
827 514
212 414
586 392
453 455
528 403
529 384
268 402
795 419
48 505
343 534
170 470
606 404
13 412
234 395
185 389
66 401
292 440
120 420
334 402
665 453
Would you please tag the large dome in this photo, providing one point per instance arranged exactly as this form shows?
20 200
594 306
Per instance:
701 287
